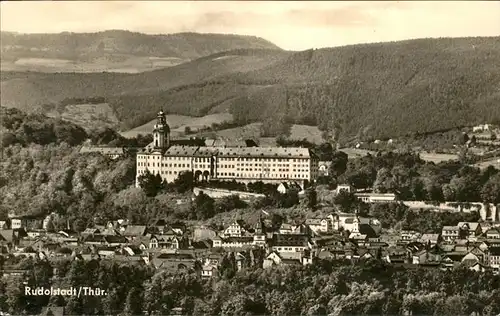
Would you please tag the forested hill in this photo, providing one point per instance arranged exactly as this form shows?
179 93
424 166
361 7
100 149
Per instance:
370 90
84 46
385 89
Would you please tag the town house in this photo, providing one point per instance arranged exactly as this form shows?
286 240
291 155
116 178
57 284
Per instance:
468 230
449 233
493 233
319 225
290 243
236 229
494 258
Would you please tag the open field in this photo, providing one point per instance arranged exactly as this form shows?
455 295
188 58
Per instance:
198 123
310 133
88 116
253 131
250 131
128 64
437 158
354 153
178 123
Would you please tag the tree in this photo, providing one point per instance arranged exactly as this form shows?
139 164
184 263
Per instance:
346 201
74 306
490 192
384 181
79 225
50 226
236 305
229 203
187 130
151 184
325 152
339 163
204 206
134 303
276 221
8 139
464 138
312 198
184 182
15 299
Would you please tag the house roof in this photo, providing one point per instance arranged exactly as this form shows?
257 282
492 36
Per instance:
7 235
274 152
472 225
243 239
429 237
494 230
115 239
290 240
357 236
202 244
325 254
205 151
455 256
286 226
349 220
313 221
469 263
175 256
209 267
451 228
134 230
290 255
185 151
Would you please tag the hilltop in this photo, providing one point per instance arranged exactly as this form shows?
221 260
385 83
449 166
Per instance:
136 98
115 50
369 91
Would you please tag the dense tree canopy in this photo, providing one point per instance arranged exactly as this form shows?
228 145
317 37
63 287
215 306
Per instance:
326 287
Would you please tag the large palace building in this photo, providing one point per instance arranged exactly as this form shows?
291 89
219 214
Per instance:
242 164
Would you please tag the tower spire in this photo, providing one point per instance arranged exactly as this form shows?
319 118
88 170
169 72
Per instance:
161 131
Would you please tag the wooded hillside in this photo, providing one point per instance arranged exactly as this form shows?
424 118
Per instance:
373 90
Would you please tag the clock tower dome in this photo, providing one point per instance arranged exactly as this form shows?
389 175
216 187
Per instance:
161 132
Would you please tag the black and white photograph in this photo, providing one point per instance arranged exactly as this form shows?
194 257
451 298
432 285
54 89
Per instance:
250 158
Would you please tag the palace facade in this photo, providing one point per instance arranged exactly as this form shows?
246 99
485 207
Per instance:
242 164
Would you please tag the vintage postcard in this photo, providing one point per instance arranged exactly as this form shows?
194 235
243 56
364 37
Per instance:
250 158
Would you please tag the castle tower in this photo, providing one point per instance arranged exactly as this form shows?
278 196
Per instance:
161 132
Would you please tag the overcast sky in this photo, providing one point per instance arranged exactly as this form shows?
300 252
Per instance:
290 25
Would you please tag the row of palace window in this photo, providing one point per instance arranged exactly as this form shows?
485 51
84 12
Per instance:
261 164
162 172
288 249
155 157
263 159
253 175
269 170
201 166
197 159
144 164
158 164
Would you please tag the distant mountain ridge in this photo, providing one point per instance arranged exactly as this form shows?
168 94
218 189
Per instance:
370 90
87 45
